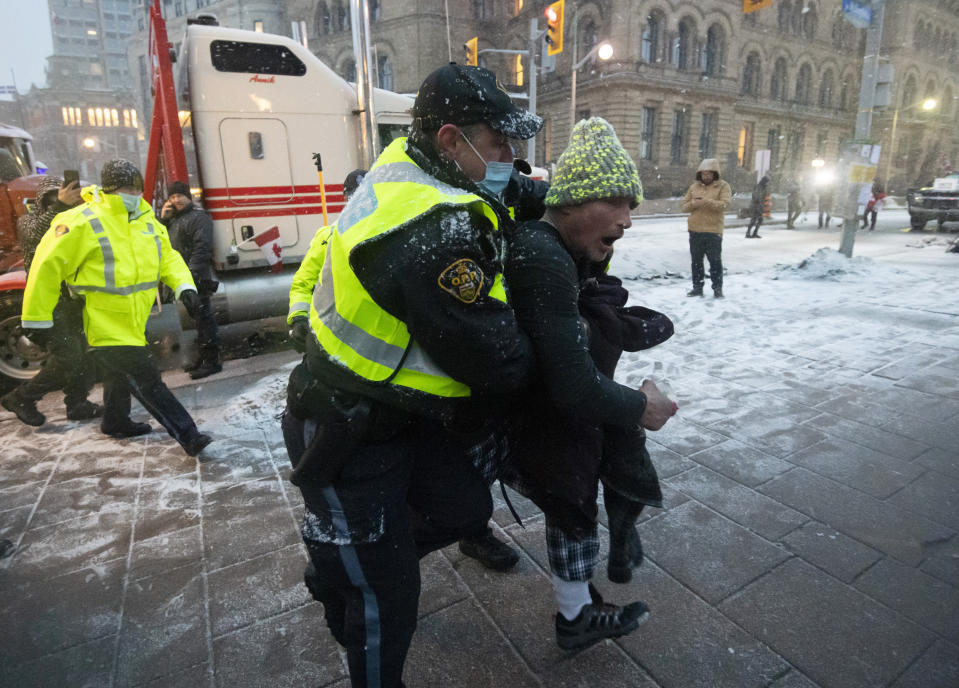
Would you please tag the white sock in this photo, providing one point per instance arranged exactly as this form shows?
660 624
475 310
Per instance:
571 596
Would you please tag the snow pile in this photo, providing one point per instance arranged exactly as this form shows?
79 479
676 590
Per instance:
831 265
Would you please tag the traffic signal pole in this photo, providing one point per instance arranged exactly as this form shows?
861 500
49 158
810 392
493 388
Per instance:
534 36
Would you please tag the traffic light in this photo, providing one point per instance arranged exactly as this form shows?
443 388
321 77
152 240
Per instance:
554 27
471 45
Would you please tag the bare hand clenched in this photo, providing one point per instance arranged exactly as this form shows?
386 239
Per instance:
659 408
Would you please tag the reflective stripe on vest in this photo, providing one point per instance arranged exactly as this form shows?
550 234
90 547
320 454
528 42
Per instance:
109 261
357 332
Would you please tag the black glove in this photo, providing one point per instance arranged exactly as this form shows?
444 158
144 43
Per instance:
191 301
38 337
299 330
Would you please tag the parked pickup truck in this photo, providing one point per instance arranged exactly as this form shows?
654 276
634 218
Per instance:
939 202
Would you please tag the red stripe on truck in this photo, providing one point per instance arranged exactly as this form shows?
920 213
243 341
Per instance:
270 190
236 213
304 199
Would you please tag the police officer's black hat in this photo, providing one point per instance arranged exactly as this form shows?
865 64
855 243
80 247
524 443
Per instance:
457 94
119 173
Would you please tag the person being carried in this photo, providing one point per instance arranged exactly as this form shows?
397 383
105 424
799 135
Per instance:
191 234
557 448
112 251
706 201
411 350
68 365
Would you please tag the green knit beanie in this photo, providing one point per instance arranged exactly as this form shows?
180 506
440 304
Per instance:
594 166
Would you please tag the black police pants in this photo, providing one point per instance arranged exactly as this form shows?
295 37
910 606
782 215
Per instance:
394 501
68 365
709 245
132 370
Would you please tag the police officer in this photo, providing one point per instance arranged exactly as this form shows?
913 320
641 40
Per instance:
112 252
68 367
411 344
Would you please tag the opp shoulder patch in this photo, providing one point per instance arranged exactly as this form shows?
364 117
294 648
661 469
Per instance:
60 230
463 279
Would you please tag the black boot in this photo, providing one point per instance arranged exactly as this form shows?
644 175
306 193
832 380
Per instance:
85 410
190 367
695 291
717 292
209 365
490 552
126 429
196 444
25 409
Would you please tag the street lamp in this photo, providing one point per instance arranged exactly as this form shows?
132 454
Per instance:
602 50
91 143
928 105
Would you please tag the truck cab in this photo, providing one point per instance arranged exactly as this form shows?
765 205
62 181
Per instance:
939 202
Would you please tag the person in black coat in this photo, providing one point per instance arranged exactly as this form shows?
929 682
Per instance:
558 448
757 208
191 233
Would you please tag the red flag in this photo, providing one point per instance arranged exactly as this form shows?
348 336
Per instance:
269 243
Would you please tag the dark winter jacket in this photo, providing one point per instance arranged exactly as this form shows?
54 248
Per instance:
479 344
191 234
32 226
757 204
559 445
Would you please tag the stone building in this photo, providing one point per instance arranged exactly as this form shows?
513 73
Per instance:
687 80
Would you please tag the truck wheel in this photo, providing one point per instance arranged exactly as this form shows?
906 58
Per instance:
19 359
916 224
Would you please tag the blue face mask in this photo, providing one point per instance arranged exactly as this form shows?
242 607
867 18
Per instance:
130 201
497 173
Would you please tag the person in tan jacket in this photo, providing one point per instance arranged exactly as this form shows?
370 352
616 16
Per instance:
706 201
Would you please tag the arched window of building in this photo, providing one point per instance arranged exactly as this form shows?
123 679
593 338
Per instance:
588 37
752 75
919 36
937 39
374 7
810 22
652 38
518 70
945 108
321 20
384 69
343 17
683 44
715 52
909 92
804 85
483 9
826 88
349 70
796 20
777 85
930 91
843 96
785 12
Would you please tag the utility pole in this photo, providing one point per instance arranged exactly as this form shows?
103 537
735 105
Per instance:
863 134
534 35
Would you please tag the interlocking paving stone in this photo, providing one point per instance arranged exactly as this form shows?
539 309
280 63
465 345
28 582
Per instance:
245 521
933 495
830 550
89 665
66 610
868 470
165 552
440 585
291 650
793 679
457 642
868 436
197 676
19 466
933 380
164 625
741 504
937 668
243 458
77 544
885 527
686 438
255 589
102 455
838 637
694 543
943 562
940 460
924 599
741 463
23 494
168 505
776 435
686 643
111 493
606 660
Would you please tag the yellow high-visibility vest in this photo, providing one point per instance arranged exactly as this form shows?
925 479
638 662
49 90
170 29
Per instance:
353 329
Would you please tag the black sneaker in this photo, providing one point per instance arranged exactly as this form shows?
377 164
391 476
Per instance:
490 552
85 410
197 444
205 369
695 291
24 409
598 621
128 429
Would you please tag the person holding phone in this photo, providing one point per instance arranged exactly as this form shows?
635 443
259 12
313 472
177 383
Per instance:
68 367
706 201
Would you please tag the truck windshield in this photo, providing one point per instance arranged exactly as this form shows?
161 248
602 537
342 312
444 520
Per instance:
255 58
13 163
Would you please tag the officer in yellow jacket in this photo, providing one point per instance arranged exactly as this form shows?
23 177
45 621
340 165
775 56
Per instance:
412 352
112 252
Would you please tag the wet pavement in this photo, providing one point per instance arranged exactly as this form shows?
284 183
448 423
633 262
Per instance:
808 537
